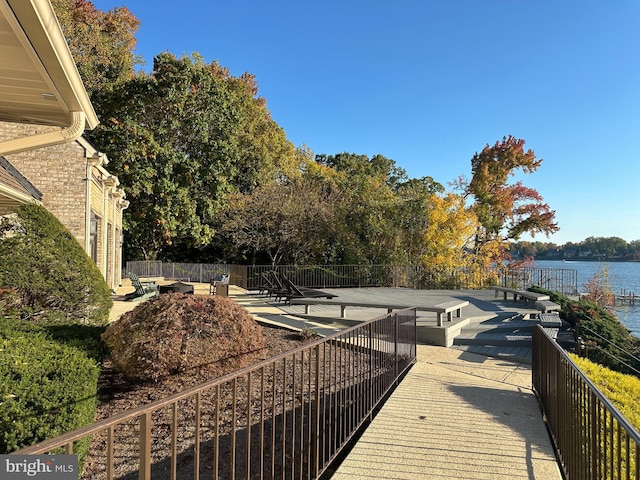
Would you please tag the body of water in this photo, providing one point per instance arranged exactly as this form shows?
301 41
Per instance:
623 277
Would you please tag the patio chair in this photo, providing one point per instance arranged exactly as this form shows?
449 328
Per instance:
136 279
221 279
303 292
281 290
268 287
142 289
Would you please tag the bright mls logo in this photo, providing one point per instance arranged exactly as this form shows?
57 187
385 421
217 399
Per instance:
51 467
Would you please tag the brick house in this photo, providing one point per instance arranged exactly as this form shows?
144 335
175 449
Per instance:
44 109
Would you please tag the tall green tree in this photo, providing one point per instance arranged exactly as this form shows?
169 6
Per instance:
180 139
414 198
368 225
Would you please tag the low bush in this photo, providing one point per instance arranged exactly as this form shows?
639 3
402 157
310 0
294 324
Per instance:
176 332
46 388
622 390
608 341
45 275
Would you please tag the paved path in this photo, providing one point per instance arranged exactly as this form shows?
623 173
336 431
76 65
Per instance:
455 415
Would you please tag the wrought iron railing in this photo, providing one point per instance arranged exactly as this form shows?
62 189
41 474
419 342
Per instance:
286 417
561 280
592 439
327 276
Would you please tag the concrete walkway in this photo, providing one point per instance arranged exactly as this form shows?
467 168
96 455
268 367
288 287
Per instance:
455 414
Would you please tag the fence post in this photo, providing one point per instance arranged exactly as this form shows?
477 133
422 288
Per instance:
395 346
371 367
145 446
316 438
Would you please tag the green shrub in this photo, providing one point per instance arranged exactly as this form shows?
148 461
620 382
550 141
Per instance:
45 275
176 332
600 330
46 388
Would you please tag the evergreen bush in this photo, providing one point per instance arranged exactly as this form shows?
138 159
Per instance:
608 341
46 388
45 275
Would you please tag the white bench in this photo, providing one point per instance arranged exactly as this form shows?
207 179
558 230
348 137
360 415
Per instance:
547 306
520 294
550 320
440 309
448 308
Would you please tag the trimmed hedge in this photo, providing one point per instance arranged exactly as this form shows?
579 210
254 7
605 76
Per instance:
45 275
46 388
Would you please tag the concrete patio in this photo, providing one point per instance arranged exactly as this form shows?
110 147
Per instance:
456 414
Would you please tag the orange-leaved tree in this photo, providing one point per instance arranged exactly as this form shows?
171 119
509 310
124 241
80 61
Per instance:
505 211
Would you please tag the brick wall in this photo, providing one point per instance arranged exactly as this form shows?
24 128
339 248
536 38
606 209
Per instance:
60 173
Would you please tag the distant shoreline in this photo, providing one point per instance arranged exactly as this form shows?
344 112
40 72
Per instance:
584 259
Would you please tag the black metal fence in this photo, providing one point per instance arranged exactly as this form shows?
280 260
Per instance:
593 440
561 280
334 276
286 417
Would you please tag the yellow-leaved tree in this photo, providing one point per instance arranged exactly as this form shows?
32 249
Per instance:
450 227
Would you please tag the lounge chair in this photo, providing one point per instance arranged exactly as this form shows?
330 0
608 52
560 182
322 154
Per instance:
268 287
280 290
303 292
142 289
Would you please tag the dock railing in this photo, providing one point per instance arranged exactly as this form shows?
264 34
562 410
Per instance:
592 438
286 417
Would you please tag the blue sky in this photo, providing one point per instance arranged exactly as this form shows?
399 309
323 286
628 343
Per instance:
429 83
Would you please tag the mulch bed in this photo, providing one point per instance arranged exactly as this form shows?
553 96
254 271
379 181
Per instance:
117 395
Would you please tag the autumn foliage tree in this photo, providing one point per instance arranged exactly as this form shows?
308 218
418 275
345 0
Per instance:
506 211
450 228
598 289
102 43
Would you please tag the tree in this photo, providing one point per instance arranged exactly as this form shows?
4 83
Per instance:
102 43
608 247
598 289
505 211
180 139
291 220
367 229
414 200
338 209
450 225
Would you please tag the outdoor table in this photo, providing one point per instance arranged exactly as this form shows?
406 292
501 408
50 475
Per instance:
177 287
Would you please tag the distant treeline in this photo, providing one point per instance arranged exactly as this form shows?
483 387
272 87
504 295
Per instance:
593 248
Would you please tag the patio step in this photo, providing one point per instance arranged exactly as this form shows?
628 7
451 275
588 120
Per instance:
511 354
490 338
508 338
